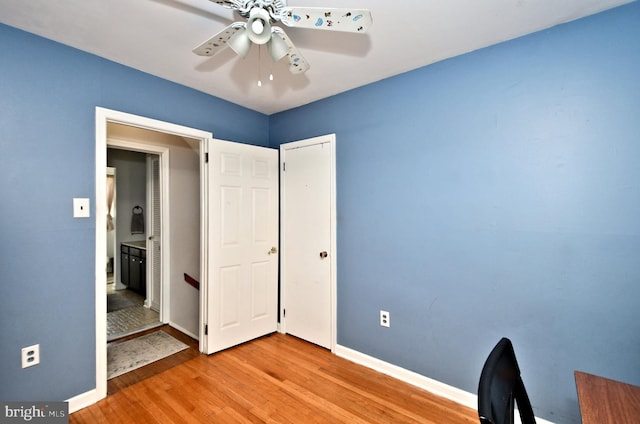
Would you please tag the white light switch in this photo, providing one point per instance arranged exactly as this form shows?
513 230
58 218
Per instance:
81 208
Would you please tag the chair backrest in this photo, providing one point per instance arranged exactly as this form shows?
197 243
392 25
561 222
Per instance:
501 386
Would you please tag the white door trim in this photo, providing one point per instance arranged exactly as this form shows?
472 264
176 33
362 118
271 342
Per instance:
103 117
204 244
329 139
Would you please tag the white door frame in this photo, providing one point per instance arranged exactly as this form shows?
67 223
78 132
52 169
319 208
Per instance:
329 139
103 117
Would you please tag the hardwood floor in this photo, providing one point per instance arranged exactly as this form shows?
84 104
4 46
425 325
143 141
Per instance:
274 379
118 383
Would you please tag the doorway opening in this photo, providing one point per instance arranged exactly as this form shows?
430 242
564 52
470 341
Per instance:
134 256
175 308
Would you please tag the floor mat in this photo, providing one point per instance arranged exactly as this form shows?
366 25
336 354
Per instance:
132 354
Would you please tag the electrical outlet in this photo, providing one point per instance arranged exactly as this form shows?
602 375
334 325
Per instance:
385 319
30 356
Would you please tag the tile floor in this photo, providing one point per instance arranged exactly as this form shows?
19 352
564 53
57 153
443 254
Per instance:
132 318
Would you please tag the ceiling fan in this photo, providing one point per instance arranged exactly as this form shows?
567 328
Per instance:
259 29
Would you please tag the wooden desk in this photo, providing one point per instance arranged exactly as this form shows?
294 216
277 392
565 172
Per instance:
605 401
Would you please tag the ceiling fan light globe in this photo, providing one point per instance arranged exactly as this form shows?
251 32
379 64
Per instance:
240 43
278 48
259 26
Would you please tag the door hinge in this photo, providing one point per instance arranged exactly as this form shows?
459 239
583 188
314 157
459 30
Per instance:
284 166
206 330
206 158
284 313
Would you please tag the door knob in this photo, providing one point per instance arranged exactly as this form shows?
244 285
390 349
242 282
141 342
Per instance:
323 254
273 251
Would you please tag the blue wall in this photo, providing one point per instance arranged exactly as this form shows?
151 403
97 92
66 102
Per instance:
495 194
48 95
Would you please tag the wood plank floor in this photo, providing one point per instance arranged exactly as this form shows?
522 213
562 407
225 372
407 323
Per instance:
274 379
125 380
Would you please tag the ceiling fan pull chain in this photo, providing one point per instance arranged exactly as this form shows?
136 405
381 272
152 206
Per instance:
270 63
259 63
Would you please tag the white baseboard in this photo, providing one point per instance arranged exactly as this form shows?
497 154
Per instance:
83 400
438 388
183 330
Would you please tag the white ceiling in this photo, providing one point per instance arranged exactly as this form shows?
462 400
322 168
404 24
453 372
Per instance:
157 36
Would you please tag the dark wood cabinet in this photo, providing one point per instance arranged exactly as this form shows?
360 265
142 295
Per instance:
124 264
133 268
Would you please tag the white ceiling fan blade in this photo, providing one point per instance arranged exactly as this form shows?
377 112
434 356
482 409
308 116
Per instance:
348 20
297 63
229 4
243 7
218 42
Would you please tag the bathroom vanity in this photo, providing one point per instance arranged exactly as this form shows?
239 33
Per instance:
133 268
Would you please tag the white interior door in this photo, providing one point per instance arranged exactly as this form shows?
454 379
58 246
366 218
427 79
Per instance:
154 258
242 235
308 239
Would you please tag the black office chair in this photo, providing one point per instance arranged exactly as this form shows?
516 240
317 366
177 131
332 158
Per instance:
501 386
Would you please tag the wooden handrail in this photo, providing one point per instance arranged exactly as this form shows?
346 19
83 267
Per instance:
189 279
